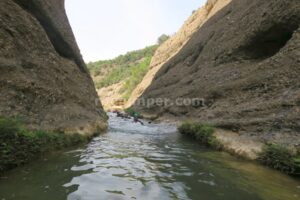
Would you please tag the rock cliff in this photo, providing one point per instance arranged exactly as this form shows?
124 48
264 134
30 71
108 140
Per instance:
43 78
244 61
172 46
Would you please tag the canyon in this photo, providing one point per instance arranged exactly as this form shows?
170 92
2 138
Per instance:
239 58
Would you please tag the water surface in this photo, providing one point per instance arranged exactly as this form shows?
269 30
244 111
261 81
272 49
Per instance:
146 162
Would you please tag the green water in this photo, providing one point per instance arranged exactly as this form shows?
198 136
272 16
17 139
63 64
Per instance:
145 162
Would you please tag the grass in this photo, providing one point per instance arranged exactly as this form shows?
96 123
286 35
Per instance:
136 75
280 158
115 76
273 155
130 68
98 68
203 133
133 74
18 146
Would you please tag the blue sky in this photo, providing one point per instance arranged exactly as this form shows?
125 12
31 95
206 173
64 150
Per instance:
106 29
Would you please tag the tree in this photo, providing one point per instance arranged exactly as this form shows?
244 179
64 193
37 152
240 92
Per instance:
162 39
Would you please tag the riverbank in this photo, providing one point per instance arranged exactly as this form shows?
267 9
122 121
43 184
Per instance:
19 146
273 155
150 161
238 145
234 143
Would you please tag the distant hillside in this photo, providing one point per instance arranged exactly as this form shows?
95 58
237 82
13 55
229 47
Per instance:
116 79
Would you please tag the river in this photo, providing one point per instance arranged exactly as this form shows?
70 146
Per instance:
153 161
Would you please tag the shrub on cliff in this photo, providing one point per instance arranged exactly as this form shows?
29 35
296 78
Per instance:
130 68
137 73
204 133
280 158
18 145
104 67
162 39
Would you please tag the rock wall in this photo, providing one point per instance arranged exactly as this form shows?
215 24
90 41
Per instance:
43 78
245 63
172 46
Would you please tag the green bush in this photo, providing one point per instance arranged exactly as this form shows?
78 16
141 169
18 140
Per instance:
130 68
186 129
115 76
18 145
204 133
96 68
280 158
162 39
136 75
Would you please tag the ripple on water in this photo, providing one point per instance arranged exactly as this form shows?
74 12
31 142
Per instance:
128 163
149 162
146 162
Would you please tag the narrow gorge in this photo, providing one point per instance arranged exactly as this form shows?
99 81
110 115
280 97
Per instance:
211 111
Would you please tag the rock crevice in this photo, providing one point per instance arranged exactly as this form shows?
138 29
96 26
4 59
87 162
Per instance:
58 29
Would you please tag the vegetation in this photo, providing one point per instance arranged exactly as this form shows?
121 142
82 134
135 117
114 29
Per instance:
162 39
115 76
137 73
122 61
204 133
280 158
273 155
18 145
130 68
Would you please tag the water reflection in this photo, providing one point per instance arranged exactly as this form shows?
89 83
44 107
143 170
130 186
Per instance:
145 162
153 161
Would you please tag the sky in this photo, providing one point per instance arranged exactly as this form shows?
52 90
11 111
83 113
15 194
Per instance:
106 29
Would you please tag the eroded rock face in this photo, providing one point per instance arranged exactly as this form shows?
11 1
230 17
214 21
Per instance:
245 63
172 46
43 78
